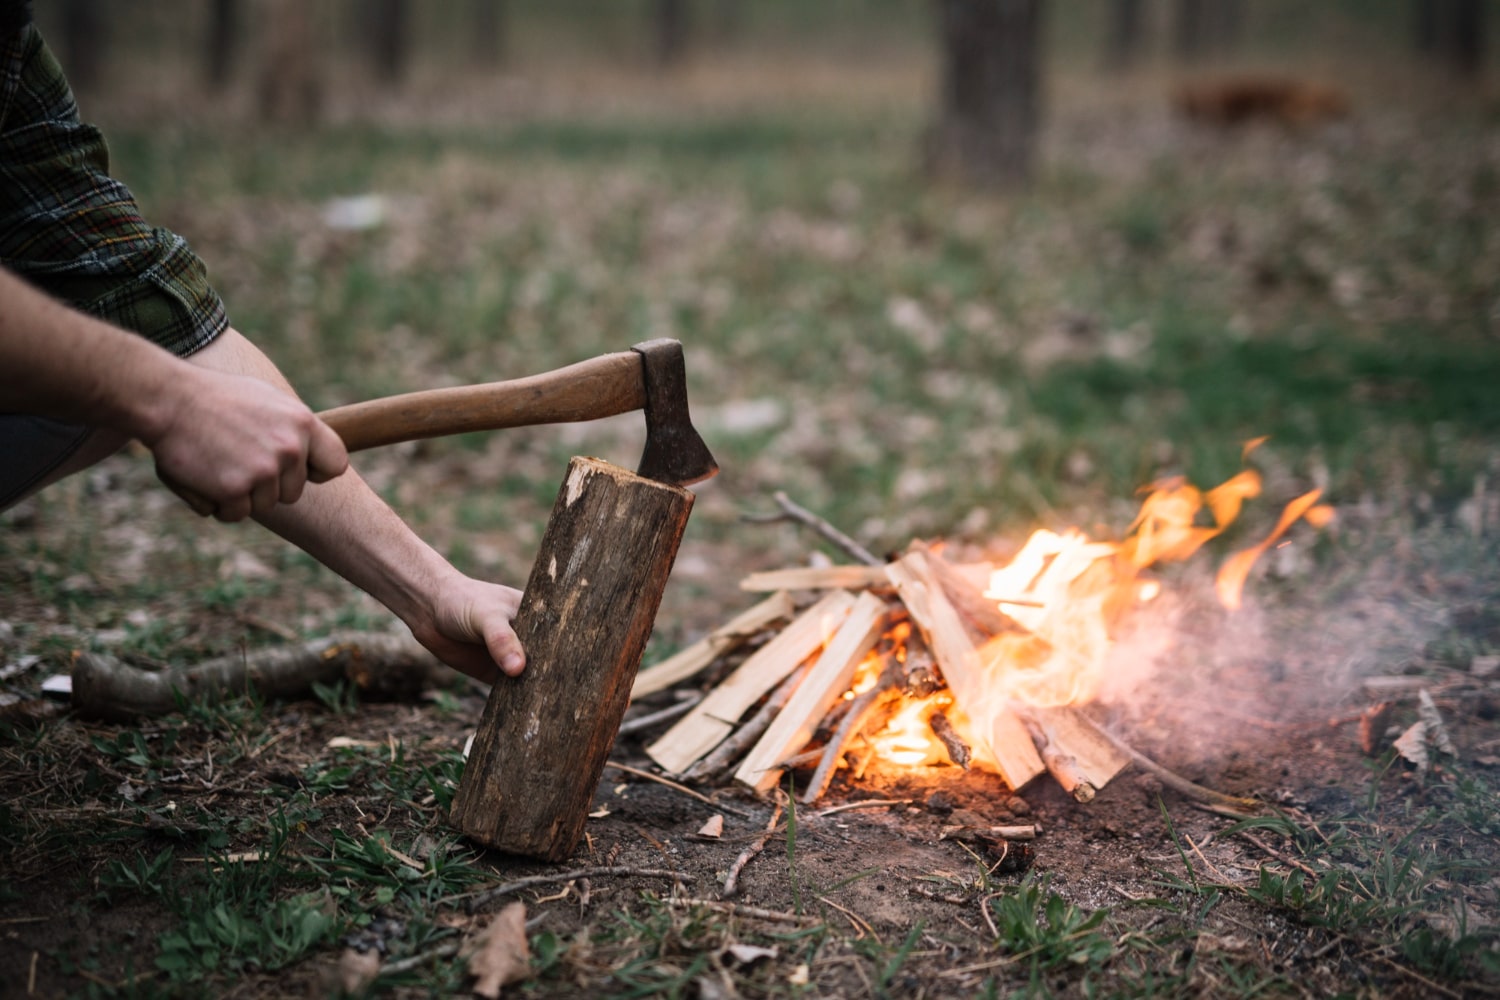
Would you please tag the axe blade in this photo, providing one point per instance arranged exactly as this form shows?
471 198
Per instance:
675 452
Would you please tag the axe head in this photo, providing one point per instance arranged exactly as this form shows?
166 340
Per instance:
675 453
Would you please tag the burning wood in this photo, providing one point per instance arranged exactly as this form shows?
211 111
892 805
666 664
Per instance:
1019 647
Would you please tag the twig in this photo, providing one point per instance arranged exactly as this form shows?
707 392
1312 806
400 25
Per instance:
732 881
791 511
727 752
477 900
676 787
958 751
862 804
1235 807
445 950
1271 851
671 712
859 709
741 910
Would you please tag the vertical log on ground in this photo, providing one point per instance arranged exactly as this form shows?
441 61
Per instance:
584 621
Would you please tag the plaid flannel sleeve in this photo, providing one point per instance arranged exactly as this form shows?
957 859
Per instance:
75 232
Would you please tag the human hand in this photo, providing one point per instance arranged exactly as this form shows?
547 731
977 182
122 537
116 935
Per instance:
235 445
468 627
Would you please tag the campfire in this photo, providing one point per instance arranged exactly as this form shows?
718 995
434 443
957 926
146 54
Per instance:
921 660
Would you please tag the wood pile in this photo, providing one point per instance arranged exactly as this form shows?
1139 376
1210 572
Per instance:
789 702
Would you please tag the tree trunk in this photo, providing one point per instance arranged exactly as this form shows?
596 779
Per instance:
1126 33
290 85
84 31
219 47
1452 32
390 35
670 24
991 83
587 612
490 32
1203 28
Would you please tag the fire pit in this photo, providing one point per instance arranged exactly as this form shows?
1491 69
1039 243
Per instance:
922 661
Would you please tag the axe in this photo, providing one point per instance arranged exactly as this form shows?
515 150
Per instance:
650 376
593 592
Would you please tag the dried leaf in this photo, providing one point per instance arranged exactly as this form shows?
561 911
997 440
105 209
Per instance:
1484 666
502 955
1412 745
714 828
358 970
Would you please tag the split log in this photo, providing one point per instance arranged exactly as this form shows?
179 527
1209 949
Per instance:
1076 753
584 620
1003 733
726 753
687 662
714 718
380 665
817 578
854 720
826 681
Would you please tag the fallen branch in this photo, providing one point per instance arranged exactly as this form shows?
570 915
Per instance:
675 787
381 665
732 881
741 910
1233 806
478 900
791 511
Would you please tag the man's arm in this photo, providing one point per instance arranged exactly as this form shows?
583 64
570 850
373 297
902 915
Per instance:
226 424
346 526
237 441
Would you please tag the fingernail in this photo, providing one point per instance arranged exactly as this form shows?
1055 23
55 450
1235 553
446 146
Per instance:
512 663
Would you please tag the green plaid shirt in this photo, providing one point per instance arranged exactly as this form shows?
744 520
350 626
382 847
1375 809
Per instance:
73 231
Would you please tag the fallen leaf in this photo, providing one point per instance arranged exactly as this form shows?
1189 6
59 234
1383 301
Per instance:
358 970
1483 666
1412 745
714 828
502 955
800 976
747 953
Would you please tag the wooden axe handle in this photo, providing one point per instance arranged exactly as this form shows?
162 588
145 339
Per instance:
588 390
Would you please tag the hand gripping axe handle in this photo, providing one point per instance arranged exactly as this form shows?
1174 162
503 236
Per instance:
650 376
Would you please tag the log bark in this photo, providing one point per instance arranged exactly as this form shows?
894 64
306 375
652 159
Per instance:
584 620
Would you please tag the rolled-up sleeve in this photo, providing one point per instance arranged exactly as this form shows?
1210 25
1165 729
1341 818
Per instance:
75 232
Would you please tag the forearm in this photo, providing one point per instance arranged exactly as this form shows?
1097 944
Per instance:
61 363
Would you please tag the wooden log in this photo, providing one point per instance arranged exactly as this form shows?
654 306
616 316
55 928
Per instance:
1003 733
728 751
1076 753
705 726
584 620
688 661
817 578
828 679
